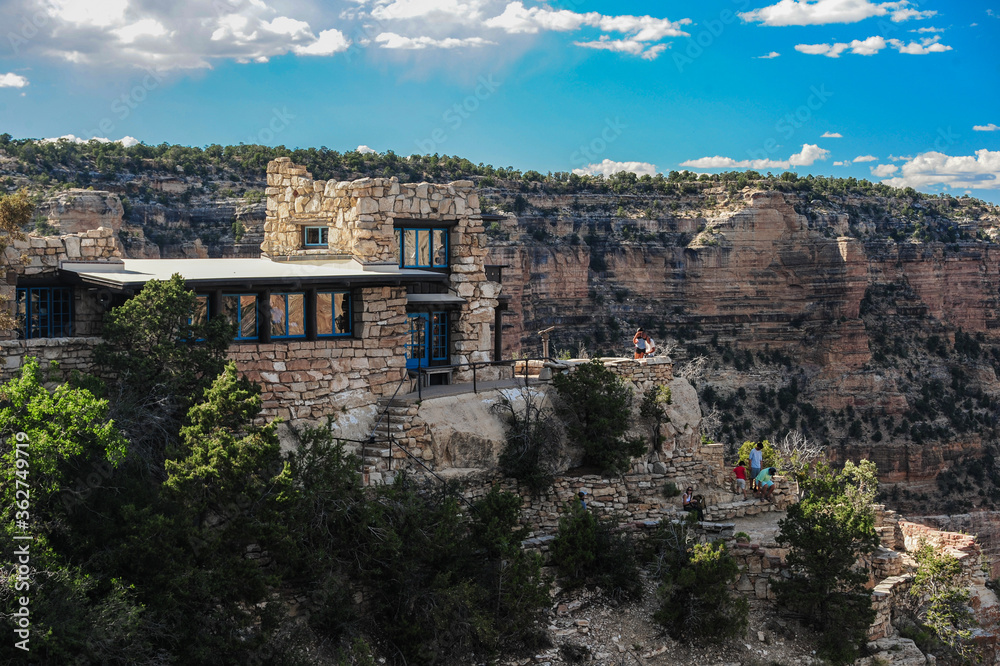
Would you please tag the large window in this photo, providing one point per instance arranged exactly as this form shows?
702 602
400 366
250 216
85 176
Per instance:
44 312
241 309
288 315
317 236
423 248
333 313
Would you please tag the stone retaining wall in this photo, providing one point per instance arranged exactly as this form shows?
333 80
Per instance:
71 354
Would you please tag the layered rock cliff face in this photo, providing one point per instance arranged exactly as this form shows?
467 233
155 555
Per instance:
810 319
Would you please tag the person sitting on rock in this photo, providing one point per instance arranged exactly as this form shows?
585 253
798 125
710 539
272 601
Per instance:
765 483
740 474
692 502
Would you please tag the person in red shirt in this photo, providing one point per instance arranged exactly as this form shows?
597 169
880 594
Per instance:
740 472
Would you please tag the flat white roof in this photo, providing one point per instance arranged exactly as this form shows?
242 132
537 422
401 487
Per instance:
137 272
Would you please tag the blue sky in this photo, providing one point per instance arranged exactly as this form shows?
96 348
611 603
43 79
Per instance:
901 91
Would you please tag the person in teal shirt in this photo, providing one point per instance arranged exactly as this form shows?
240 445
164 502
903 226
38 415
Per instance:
765 483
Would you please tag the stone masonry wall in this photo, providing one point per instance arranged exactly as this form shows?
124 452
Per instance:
360 216
71 354
45 252
313 379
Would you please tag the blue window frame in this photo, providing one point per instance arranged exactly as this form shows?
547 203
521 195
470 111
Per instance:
439 336
44 312
333 313
428 339
423 248
316 236
241 309
288 315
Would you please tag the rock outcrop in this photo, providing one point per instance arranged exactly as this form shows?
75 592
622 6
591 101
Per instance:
75 210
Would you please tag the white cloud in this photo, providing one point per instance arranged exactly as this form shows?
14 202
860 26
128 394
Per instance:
181 34
831 135
883 170
127 141
980 171
518 19
928 29
328 43
865 158
809 154
609 167
899 158
992 127
128 34
822 12
925 46
630 46
365 150
390 40
772 54
873 45
12 80
639 32
411 9
844 163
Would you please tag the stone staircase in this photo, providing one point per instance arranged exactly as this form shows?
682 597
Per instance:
377 457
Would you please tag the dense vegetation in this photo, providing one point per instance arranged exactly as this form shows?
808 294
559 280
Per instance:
596 406
93 162
827 531
194 550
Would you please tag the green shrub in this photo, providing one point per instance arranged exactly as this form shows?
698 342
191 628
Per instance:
671 489
530 440
771 458
827 531
696 602
591 552
596 405
943 609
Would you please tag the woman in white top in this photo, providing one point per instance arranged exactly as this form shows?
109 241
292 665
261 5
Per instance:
643 344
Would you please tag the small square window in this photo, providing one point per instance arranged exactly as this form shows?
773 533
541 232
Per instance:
317 236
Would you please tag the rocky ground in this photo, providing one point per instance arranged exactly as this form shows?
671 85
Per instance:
585 628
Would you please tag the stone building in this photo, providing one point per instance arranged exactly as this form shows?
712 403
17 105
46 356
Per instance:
361 288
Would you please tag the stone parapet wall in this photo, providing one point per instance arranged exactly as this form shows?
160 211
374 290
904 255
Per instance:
45 252
645 372
759 567
71 354
893 575
634 497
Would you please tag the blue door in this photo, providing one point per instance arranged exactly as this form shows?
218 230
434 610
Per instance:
417 351
428 339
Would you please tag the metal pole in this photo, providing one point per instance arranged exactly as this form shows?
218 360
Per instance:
474 389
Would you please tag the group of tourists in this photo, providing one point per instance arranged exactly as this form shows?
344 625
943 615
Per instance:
761 483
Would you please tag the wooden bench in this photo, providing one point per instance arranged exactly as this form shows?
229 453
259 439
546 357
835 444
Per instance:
443 371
